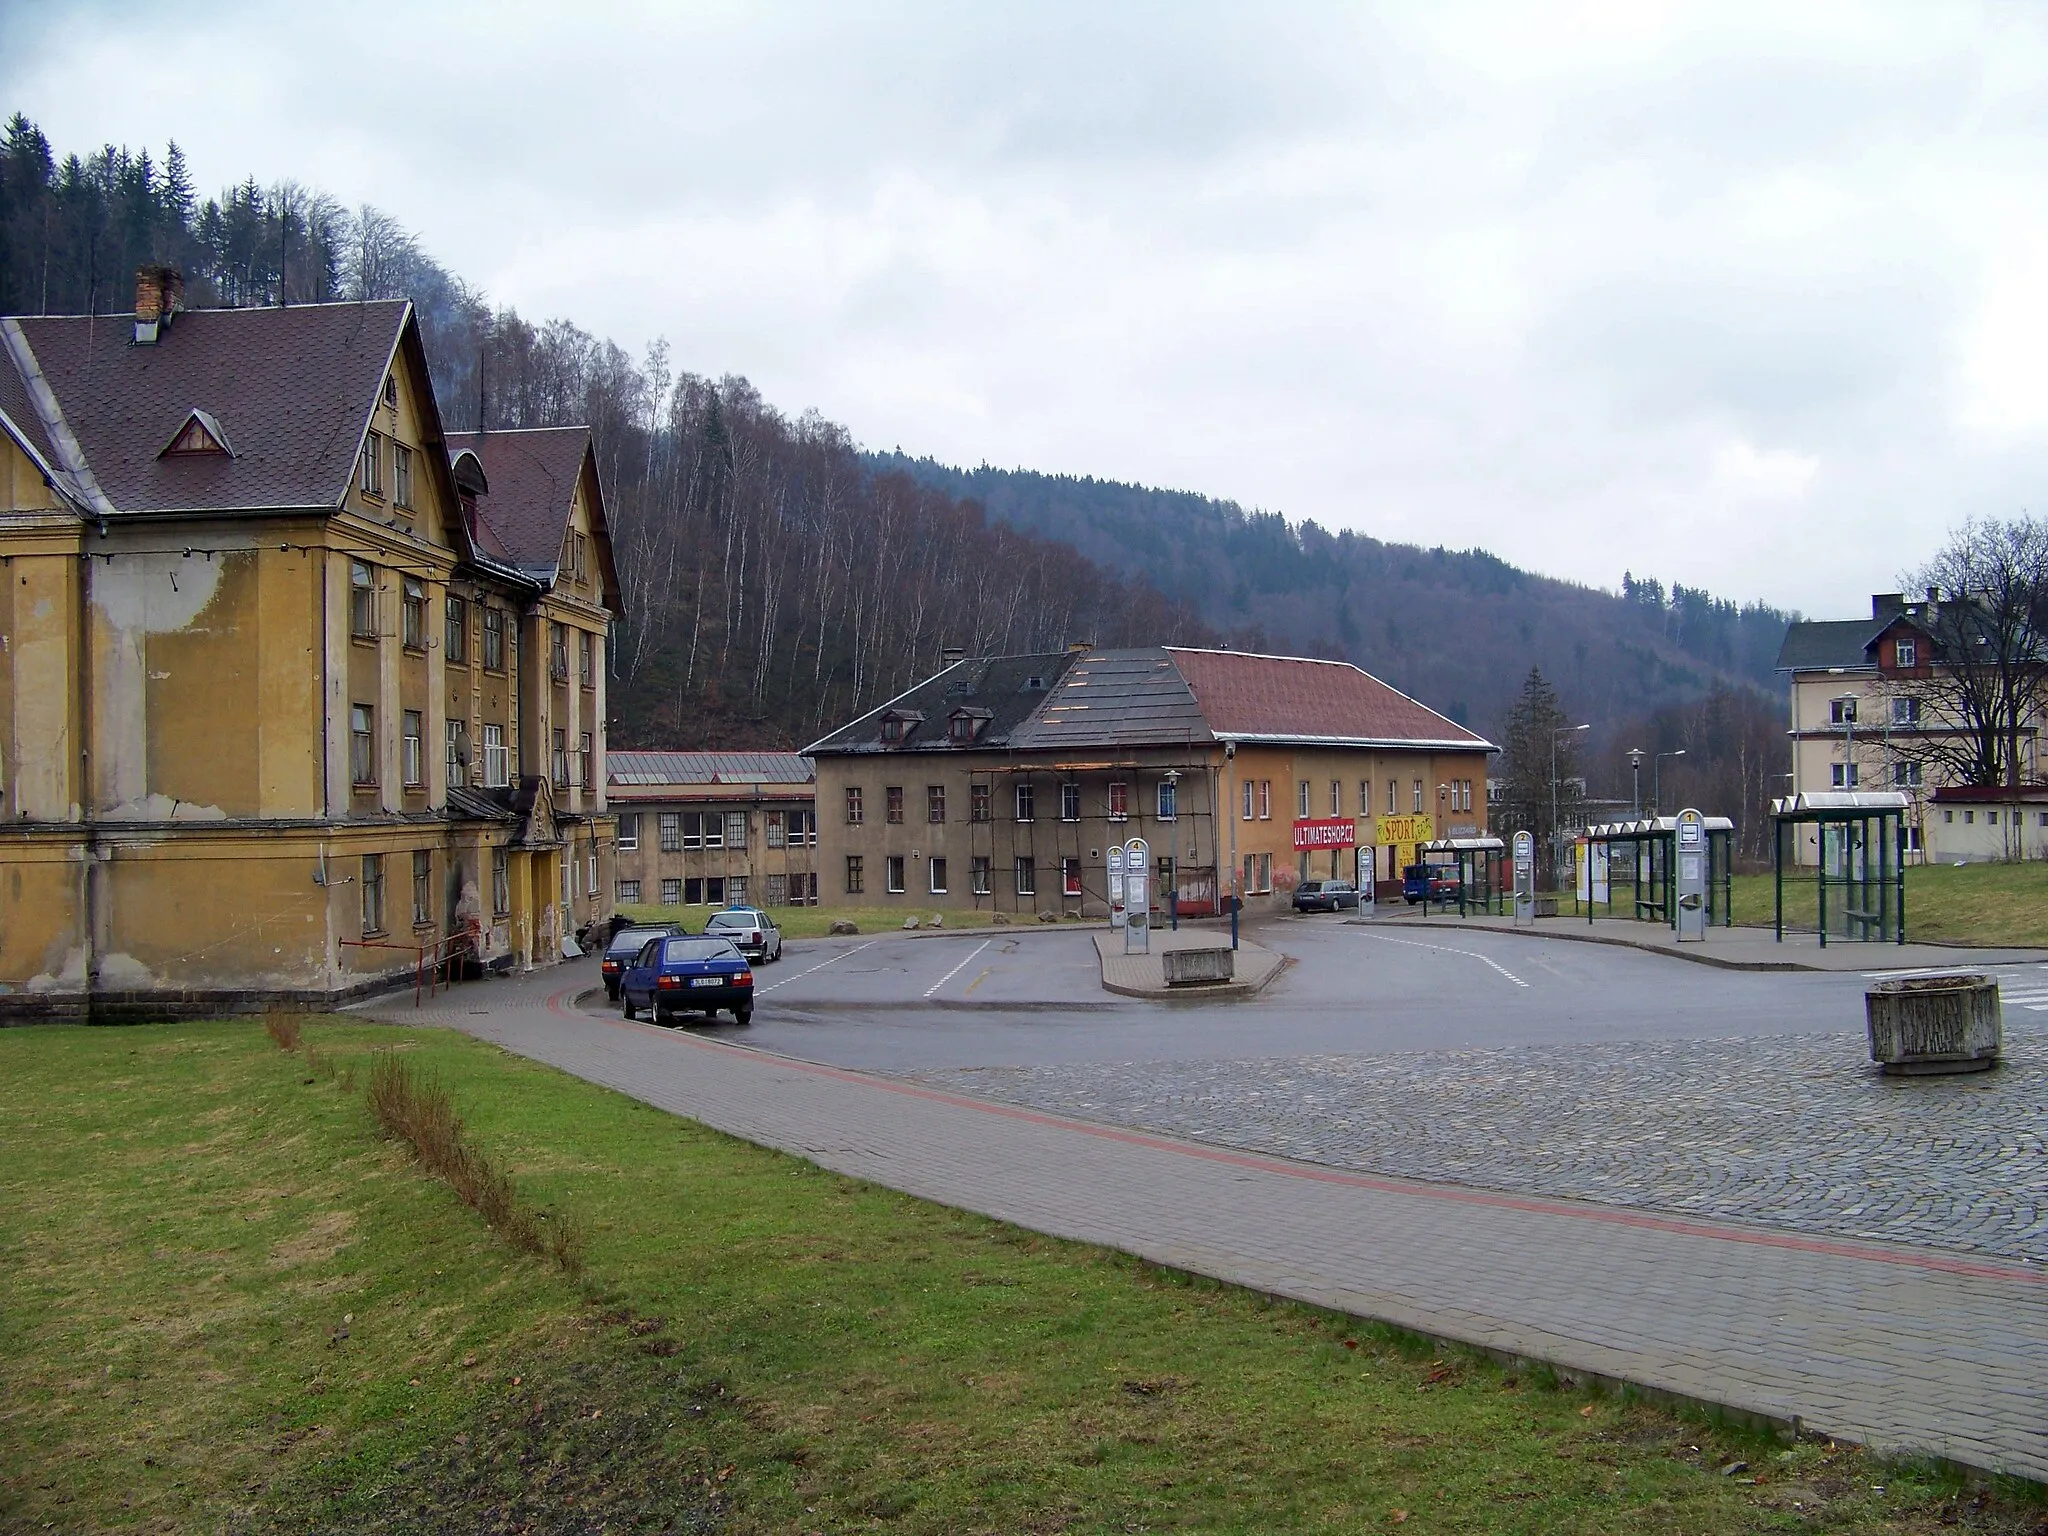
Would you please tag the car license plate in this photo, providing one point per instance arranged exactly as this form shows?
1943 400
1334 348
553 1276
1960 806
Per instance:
707 981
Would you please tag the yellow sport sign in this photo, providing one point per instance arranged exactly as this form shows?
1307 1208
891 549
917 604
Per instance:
1420 828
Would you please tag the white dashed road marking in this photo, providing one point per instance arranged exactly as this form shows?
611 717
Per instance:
800 975
1470 954
984 944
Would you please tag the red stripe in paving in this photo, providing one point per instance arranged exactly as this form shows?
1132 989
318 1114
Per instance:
563 1004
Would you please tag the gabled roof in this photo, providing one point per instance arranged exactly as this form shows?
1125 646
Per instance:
533 474
292 388
647 770
1247 697
1118 698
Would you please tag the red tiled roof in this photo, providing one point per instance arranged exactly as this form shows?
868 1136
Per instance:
1293 698
292 388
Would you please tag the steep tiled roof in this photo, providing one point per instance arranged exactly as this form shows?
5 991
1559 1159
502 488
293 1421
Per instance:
651 769
1295 698
1117 698
533 476
292 388
1812 645
1009 688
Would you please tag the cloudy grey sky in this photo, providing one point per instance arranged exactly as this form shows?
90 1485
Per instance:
1746 296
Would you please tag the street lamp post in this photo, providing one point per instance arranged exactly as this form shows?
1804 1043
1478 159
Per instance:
1657 781
1635 763
1556 841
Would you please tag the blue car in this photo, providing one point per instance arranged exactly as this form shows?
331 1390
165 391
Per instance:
675 975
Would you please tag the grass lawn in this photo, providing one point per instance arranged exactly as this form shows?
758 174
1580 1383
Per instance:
815 922
225 1304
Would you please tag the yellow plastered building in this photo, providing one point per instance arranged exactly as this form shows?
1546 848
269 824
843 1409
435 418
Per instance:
299 697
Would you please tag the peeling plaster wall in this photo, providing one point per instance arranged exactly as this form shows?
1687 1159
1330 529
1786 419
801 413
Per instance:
42 940
40 641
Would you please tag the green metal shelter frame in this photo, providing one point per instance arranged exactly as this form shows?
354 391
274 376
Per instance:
1860 840
1650 852
1478 859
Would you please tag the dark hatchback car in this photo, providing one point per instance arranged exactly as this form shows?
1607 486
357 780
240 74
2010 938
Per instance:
625 944
687 975
1325 895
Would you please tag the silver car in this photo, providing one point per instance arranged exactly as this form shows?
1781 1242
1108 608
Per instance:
749 930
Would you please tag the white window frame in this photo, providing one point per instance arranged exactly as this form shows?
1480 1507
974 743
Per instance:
370 467
935 876
1027 876
1119 800
1905 653
671 893
411 771
629 832
497 760
1166 803
893 873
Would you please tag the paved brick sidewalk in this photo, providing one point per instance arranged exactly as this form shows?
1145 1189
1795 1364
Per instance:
1901 1348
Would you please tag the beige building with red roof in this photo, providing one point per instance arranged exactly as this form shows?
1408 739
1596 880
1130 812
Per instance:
1000 783
297 695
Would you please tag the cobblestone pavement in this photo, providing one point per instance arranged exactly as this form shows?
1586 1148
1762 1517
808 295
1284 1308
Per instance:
1800 1132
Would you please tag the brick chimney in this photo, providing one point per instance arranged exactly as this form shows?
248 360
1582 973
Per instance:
159 291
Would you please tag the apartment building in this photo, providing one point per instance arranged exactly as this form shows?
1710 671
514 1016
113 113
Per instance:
275 708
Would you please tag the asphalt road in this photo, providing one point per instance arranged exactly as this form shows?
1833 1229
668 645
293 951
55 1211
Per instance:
910 1004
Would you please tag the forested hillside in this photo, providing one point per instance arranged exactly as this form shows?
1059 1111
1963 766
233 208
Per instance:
778 580
1458 628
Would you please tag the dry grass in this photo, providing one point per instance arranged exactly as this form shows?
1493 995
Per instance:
413 1107
283 1027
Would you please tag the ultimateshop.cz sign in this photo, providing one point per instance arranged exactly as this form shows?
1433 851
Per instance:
1328 832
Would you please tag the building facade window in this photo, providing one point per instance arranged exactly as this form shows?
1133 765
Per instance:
893 796
1842 775
937 870
494 639
362 745
422 889
586 658
497 761
458 771
671 831
1265 799
1418 797
856 874
1070 877
501 882
978 874
735 829
1906 653
671 893
1842 711
558 652
803 829
771 828
629 891
586 748
1301 800
455 638
401 475
1906 711
370 467
1070 801
892 871
1365 797
854 813
1336 797
1027 877
410 771
1169 799
935 803
1119 800
1906 775
1027 803
561 755
629 832
1251 794
362 601
979 797
373 893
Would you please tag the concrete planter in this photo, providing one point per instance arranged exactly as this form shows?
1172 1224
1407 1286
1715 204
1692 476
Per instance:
1932 1024
1199 967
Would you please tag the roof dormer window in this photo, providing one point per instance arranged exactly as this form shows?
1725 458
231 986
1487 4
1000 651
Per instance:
966 724
201 434
897 726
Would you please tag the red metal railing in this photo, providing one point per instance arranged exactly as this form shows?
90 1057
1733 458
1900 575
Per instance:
435 965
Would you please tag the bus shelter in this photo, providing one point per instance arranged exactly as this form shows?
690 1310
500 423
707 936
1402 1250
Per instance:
1481 866
1643 856
1857 838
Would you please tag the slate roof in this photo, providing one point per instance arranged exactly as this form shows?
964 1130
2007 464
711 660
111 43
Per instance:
1117 698
998 684
1299 699
1157 696
293 389
1814 645
533 473
649 770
